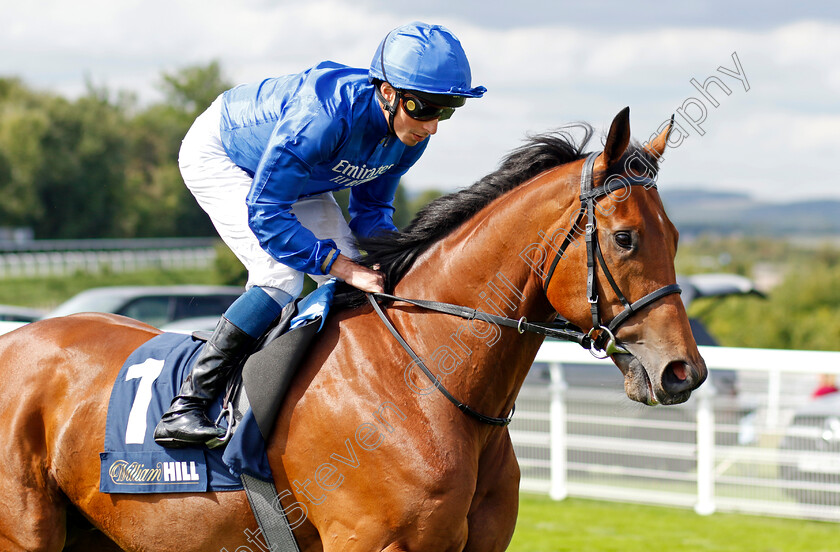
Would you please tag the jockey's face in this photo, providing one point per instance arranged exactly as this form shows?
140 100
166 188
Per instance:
409 131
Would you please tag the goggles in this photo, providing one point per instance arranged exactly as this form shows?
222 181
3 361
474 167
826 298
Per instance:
420 110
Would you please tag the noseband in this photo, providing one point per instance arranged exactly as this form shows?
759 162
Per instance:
605 341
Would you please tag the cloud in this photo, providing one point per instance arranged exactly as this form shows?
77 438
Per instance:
756 140
539 76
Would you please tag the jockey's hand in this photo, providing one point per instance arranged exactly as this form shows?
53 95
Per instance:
357 275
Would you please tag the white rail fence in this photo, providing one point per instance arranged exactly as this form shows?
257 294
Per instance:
762 446
63 258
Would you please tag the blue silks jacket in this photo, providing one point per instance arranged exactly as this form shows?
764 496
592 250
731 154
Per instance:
305 134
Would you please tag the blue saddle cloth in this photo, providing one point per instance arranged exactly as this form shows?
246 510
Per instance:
133 463
151 376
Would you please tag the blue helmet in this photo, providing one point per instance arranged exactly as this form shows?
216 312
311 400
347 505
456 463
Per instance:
427 59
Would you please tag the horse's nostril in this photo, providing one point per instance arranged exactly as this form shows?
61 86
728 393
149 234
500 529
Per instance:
675 378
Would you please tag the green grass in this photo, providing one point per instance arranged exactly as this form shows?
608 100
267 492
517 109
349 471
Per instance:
589 526
47 293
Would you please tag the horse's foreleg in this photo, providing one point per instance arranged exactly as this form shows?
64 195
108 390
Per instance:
30 520
492 517
32 511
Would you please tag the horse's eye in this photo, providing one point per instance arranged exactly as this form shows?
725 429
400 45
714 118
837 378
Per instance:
624 240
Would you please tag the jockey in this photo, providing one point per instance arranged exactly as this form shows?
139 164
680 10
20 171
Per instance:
263 160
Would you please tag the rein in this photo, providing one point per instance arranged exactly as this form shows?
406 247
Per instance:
491 420
605 342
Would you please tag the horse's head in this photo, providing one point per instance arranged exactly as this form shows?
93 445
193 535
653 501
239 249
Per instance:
633 244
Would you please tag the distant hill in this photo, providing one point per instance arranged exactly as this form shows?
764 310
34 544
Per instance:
699 211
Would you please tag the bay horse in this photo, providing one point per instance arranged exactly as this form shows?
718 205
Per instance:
366 453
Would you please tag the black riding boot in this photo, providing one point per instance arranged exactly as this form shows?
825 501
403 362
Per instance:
186 423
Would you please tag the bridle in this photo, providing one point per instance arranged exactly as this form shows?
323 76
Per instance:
604 342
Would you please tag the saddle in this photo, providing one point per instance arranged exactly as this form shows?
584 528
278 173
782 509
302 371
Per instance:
264 378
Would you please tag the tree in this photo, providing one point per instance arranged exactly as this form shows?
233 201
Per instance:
22 125
80 180
192 89
158 202
803 312
101 166
60 161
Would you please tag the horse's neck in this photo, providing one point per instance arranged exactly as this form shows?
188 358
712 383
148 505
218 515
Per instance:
479 266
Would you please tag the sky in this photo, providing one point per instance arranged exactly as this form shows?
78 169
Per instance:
754 86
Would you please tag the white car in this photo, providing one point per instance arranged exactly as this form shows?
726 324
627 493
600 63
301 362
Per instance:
11 313
154 305
6 326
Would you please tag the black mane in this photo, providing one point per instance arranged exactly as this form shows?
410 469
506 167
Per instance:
395 252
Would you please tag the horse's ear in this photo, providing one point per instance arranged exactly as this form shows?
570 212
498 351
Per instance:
656 147
617 139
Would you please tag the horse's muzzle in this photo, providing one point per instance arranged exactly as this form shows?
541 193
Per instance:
671 384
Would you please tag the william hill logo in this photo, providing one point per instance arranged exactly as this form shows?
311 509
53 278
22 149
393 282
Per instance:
136 473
